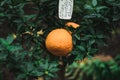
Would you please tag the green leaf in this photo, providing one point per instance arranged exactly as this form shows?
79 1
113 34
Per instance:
74 40
10 39
102 65
3 2
53 69
79 57
1 48
89 48
100 36
36 73
116 17
86 37
28 67
51 75
52 66
94 50
46 65
91 42
94 2
81 48
29 17
14 48
2 14
21 76
3 56
89 7
3 42
77 36
99 8
18 21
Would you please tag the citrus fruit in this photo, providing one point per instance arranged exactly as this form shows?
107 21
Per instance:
72 24
59 42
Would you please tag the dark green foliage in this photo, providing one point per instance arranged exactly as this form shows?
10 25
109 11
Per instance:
94 70
97 18
23 63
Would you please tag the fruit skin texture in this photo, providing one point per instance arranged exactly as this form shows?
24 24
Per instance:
59 42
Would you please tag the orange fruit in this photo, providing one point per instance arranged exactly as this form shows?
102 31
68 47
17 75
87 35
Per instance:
59 42
72 24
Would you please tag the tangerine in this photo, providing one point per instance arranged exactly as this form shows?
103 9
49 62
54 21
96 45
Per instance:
59 42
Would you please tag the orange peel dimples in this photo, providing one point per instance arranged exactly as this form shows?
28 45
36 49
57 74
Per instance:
59 42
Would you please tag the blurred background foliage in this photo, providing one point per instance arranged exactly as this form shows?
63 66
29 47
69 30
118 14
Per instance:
24 25
98 68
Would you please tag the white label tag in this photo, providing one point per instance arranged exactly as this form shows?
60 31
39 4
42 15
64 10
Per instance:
65 9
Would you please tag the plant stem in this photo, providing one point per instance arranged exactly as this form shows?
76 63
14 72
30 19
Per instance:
61 73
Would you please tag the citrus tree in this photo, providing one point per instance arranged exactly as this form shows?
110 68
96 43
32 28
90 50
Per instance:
30 50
